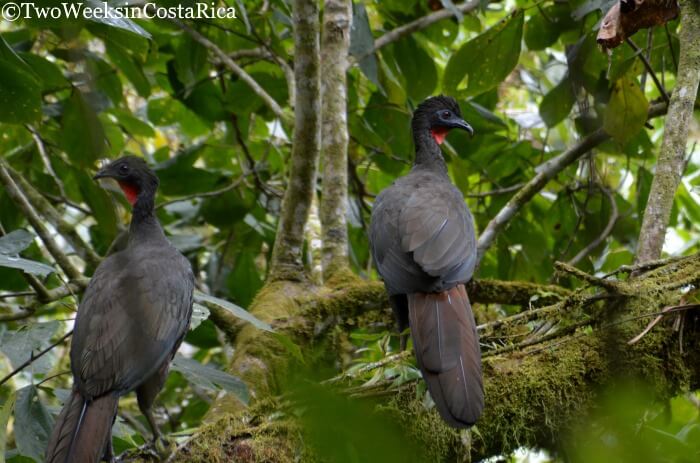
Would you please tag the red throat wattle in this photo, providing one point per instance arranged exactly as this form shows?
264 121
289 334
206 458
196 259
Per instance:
439 134
130 191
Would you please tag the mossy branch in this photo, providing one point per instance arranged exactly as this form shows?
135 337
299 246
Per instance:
534 391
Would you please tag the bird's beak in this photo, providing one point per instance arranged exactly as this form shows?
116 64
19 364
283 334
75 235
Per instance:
462 124
100 174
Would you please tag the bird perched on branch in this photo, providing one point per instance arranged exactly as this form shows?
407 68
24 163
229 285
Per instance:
131 321
424 245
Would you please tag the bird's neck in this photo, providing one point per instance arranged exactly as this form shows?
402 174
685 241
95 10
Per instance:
144 223
428 153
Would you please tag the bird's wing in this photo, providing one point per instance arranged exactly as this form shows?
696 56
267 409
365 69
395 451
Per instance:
437 228
134 314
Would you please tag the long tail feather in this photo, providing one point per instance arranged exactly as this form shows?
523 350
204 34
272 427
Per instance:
81 430
447 351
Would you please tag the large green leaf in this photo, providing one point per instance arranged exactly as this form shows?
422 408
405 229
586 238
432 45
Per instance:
626 112
417 68
82 135
209 377
20 94
546 24
239 312
11 245
556 104
362 42
33 424
486 60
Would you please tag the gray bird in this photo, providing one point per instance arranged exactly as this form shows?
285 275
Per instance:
131 321
424 245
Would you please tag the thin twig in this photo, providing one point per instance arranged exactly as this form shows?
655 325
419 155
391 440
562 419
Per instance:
34 357
495 192
236 69
649 69
206 194
45 159
421 23
614 215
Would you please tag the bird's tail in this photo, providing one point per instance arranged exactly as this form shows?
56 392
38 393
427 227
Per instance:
82 429
447 349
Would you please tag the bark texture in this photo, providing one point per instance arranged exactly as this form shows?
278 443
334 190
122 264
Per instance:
335 41
287 252
671 163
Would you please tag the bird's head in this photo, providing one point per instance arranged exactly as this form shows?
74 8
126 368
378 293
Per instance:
439 115
132 175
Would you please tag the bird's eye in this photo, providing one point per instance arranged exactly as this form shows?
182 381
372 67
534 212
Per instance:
123 169
445 114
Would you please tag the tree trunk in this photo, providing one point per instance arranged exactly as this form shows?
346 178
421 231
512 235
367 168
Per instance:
335 41
286 261
671 163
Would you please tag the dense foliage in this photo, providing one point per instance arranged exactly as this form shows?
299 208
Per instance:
529 77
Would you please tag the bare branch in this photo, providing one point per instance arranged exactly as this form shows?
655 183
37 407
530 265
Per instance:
421 23
549 170
33 357
235 68
64 228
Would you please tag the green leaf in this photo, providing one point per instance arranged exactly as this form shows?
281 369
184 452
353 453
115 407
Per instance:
209 377
199 314
128 65
26 265
82 135
132 124
626 112
417 68
5 413
546 24
11 245
487 59
20 95
15 242
49 73
239 312
244 280
362 43
20 345
556 104
111 18
33 424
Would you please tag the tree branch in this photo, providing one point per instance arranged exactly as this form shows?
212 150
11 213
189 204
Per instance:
286 262
235 69
671 162
337 18
22 203
421 23
65 229
548 171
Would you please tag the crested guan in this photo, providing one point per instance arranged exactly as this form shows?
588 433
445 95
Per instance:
423 243
131 321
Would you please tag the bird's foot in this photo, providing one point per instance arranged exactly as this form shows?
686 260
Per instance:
163 447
